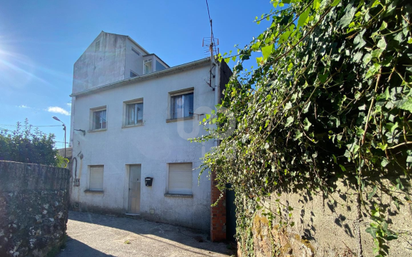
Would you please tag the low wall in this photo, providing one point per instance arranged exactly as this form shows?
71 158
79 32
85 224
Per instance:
33 208
317 226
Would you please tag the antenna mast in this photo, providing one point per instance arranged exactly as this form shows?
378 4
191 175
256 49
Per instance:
211 42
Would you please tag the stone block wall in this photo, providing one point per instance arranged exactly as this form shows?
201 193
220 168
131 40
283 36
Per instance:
33 208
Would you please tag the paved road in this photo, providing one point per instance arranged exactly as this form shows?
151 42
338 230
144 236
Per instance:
102 235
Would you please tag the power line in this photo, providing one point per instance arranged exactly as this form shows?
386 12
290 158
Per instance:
37 126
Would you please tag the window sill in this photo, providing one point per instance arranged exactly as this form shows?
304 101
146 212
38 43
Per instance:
179 119
179 195
140 124
94 191
96 130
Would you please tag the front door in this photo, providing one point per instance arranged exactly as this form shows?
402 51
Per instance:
134 188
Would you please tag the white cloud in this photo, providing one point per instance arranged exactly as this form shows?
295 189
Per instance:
23 106
69 104
56 109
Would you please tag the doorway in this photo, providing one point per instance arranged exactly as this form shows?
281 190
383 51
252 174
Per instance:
134 188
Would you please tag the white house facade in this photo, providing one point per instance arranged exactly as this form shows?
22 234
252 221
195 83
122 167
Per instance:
132 116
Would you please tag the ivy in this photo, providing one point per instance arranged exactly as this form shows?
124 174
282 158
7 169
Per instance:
330 98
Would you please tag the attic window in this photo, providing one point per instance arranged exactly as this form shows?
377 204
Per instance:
135 51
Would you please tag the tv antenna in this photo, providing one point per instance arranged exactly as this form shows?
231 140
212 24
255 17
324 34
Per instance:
211 42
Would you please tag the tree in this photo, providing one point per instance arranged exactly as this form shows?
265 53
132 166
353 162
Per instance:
330 98
25 145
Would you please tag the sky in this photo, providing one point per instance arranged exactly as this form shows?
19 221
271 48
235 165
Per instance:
41 40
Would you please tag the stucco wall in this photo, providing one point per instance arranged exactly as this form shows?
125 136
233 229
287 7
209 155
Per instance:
97 67
133 62
152 145
325 228
33 208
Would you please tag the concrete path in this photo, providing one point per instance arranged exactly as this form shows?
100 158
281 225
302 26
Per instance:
102 235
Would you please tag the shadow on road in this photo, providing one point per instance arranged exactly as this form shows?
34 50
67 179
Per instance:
111 234
81 248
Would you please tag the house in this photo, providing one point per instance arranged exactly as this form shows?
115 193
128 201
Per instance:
132 116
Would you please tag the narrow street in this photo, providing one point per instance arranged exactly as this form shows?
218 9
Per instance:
92 234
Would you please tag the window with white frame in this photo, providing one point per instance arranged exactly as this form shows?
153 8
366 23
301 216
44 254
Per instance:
99 120
181 105
96 178
147 68
134 112
180 178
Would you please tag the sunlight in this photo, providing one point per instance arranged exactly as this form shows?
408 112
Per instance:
16 70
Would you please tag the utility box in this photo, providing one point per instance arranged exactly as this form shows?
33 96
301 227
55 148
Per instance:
148 181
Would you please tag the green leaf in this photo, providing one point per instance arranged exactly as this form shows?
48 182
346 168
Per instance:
266 51
384 162
350 11
335 3
406 104
306 124
382 43
289 121
384 25
316 5
288 106
371 194
373 70
303 18
372 231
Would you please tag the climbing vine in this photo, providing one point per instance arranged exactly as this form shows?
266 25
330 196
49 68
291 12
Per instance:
330 98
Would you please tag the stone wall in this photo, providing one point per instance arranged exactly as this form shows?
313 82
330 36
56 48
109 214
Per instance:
318 226
33 208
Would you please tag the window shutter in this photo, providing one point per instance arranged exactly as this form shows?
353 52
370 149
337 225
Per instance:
180 178
96 178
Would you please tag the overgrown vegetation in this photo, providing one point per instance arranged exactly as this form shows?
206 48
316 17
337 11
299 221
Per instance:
27 145
330 99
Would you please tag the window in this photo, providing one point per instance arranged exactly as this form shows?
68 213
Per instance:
99 119
147 67
134 112
96 178
132 74
181 105
135 51
180 178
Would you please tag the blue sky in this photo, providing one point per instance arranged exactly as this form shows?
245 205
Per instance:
41 40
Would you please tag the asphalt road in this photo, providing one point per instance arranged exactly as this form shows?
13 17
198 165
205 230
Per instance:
92 234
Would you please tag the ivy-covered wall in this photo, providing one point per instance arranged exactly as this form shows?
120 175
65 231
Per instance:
33 208
319 226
